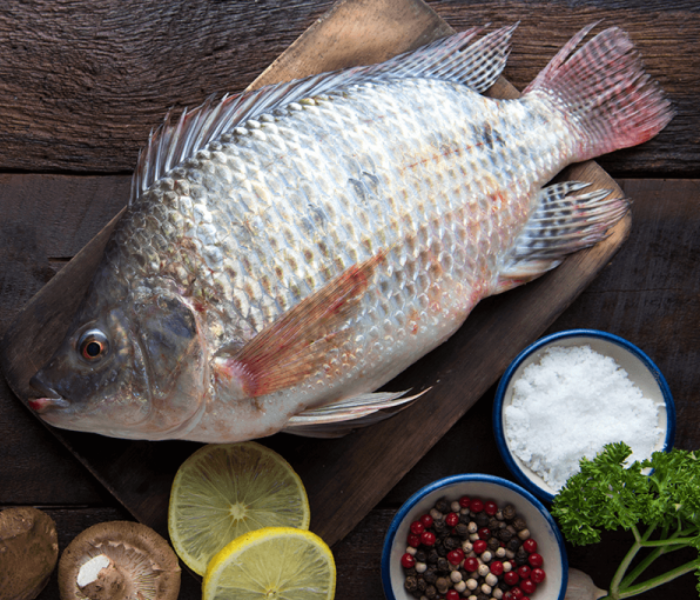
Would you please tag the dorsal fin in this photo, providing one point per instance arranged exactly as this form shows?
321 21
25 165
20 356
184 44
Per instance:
476 66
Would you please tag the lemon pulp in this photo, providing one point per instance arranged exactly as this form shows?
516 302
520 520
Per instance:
273 563
223 491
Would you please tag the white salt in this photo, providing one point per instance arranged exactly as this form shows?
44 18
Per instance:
571 404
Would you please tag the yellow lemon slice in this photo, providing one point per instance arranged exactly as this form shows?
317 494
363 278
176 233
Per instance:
274 563
225 490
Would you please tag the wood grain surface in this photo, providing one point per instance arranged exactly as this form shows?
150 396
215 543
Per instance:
82 83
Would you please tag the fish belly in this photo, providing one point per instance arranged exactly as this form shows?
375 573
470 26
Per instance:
434 179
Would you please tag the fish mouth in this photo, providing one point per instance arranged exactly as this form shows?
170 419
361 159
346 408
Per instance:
50 399
42 405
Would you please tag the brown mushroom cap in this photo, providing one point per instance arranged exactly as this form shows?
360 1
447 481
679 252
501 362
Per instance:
28 552
138 564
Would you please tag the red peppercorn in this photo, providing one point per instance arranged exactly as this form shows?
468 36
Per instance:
528 586
471 564
496 567
413 540
455 556
407 561
452 595
508 596
451 519
535 559
417 527
484 533
517 593
476 505
491 508
427 520
511 577
538 575
524 571
427 538
480 546
464 501
530 545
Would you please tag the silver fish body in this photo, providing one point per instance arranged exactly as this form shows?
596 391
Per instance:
300 259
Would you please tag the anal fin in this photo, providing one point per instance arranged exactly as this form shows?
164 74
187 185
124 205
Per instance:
340 418
565 221
295 346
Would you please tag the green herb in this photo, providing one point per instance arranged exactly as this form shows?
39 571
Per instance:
661 509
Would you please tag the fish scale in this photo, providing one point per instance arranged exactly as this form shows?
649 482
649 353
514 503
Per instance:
316 238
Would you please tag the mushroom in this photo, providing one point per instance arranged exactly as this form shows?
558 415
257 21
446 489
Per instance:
28 552
118 560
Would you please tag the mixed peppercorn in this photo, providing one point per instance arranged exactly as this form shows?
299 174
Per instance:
470 548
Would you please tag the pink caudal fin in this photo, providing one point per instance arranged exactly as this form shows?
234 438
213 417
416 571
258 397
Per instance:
604 92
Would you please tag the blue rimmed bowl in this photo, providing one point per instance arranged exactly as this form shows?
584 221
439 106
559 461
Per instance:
487 487
640 369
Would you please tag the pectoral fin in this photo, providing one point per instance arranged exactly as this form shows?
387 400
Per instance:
295 346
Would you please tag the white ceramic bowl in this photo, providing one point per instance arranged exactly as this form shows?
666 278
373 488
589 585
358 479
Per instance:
487 487
640 369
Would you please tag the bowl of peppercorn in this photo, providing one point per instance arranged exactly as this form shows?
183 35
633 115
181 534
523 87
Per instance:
473 536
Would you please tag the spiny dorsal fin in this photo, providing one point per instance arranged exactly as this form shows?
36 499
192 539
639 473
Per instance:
564 222
477 66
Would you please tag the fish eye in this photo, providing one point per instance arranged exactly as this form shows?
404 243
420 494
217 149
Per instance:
93 345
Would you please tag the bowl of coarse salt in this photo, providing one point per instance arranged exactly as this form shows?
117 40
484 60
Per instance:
568 395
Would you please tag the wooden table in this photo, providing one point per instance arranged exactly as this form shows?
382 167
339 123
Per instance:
82 83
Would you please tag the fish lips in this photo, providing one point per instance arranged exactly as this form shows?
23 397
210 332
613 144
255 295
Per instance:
50 399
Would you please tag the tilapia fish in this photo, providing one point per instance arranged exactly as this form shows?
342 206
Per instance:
287 251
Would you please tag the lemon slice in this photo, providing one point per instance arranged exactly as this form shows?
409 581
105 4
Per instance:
225 490
273 563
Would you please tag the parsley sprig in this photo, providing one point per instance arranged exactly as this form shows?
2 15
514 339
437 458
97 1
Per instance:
662 509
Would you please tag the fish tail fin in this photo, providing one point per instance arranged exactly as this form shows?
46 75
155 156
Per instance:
605 93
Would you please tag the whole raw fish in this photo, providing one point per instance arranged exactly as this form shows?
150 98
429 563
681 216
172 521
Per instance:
288 251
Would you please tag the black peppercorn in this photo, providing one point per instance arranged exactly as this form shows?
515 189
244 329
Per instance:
411 584
431 592
430 575
442 585
514 544
493 544
440 526
482 596
509 512
481 519
462 531
451 543
440 549
420 556
422 584
505 534
519 524
443 506
443 565
494 524
433 557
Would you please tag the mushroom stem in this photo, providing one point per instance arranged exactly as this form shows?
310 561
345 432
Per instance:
101 579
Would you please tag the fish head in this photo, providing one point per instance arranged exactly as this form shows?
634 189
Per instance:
133 370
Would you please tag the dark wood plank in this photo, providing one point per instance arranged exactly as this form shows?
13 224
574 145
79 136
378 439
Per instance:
343 477
81 87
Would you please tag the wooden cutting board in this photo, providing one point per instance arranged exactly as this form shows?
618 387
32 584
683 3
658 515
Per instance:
347 477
